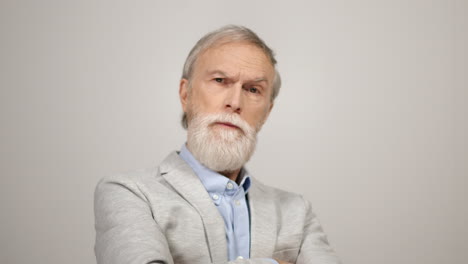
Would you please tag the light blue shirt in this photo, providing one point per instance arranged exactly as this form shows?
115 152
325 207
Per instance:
230 199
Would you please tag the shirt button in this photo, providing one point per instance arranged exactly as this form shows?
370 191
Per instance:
230 186
239 257
237 202
215 196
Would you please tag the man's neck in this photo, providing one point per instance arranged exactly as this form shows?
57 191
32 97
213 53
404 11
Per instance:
232 175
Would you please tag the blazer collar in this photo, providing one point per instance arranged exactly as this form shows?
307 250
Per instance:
264 221
263 212
182 178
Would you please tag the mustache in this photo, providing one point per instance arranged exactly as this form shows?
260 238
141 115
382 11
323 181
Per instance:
232 119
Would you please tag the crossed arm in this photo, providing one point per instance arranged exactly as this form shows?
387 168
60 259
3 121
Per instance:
126 232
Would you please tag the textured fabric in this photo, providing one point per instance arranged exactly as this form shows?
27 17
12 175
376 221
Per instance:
230 200
165 215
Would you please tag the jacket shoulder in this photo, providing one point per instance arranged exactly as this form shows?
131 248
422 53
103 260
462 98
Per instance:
144 176
142 183
131 177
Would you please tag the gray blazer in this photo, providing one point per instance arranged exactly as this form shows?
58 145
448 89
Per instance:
165 215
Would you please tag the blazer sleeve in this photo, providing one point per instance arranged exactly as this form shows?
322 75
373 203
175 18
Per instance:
315 247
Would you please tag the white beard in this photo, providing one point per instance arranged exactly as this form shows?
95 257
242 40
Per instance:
217 147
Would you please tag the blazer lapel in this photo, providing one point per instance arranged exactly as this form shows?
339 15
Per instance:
263 222
182 178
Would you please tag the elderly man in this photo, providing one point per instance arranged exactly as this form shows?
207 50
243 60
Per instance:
200 205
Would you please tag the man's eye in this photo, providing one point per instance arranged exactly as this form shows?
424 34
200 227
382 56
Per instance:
253 90
220 80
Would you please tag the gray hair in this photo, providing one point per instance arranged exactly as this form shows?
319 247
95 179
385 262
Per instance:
224 35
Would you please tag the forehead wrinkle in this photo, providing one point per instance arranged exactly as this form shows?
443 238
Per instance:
217 72
261 79
249 63
255 63
249 66
223 74
238 65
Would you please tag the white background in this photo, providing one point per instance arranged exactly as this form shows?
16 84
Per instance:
370 124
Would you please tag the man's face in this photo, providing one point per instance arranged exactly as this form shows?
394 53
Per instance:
234 78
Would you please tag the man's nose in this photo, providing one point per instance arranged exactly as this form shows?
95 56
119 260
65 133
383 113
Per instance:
234 99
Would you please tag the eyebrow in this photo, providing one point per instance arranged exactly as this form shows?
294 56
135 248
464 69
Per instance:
223 74
216 72
261 80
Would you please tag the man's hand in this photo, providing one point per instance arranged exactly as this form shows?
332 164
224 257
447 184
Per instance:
282 262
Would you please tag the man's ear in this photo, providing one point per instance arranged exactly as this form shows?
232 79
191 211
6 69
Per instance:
183 93
269 110
267 115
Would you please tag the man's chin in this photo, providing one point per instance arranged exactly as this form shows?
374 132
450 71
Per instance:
225 134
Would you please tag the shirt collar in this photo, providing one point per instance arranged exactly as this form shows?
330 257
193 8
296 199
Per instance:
213 181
